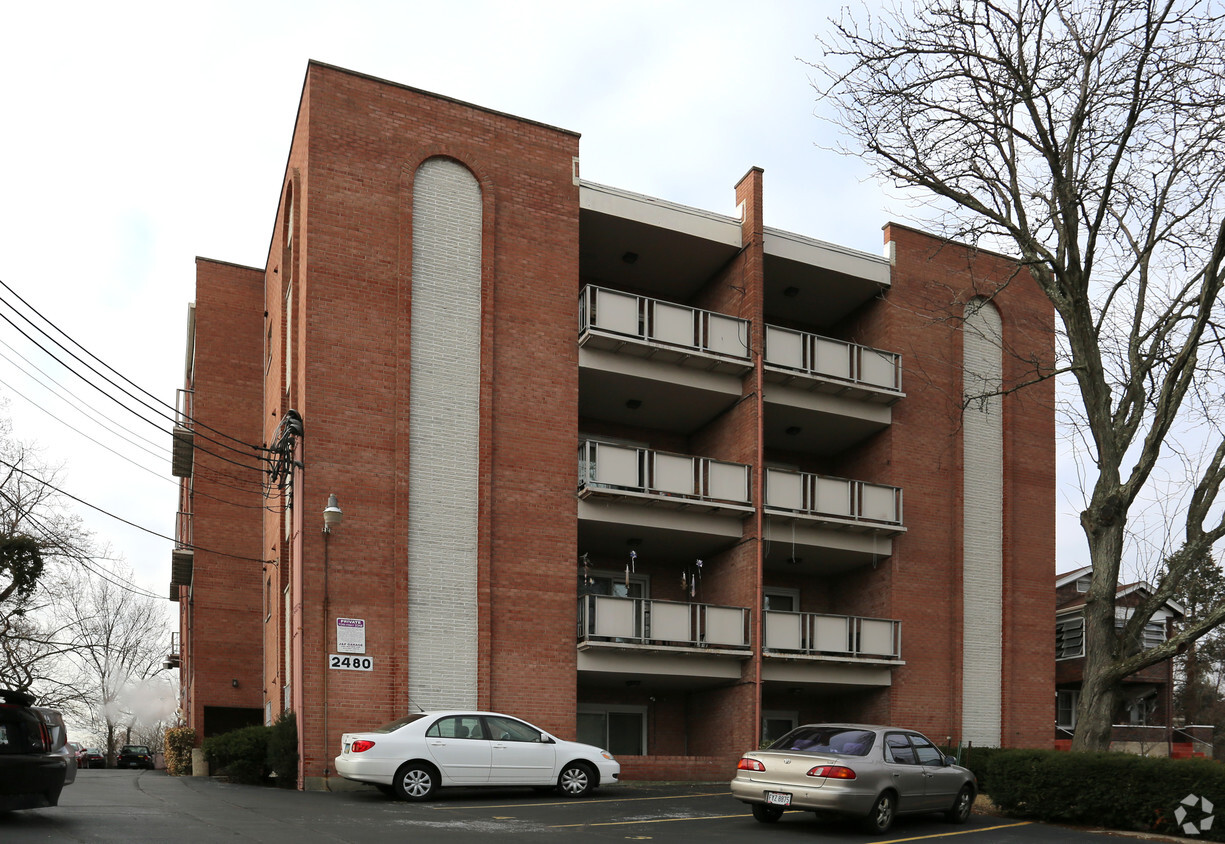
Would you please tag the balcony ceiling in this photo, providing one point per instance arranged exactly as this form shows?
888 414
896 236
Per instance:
660 405
813 432
653 543
667 264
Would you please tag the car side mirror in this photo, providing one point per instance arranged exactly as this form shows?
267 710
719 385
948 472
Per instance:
950 760
545 738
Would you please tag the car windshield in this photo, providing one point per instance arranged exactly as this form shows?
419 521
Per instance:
846 741
398 723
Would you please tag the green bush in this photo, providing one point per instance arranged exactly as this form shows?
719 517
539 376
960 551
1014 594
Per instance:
282 754
978 760
1114 790
179 742
241 755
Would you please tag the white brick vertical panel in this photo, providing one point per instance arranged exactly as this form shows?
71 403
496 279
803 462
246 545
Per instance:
982 526
444 419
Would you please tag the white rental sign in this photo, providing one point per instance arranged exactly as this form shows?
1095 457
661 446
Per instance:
351 635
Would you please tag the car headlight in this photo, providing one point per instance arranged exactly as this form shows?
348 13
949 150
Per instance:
607 755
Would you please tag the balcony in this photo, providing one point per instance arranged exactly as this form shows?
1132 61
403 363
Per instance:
605 620
172 656
653 364
624 641
821 364
182 558
657 478
182 437
835 503
658 330
831 637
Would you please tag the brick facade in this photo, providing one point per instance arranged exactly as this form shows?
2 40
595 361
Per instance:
331 329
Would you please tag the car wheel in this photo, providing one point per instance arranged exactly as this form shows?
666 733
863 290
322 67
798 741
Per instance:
960 812
576 780
881 817
767 814
415 781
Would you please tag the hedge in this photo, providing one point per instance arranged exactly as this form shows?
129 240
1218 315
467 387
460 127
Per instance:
1113 790
250 755
179 743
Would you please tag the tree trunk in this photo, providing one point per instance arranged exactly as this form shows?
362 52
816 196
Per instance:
1099 688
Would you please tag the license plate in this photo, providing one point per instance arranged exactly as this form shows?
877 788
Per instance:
778 798
346 748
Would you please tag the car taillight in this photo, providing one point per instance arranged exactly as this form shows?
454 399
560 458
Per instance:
834 772
360 746
747 764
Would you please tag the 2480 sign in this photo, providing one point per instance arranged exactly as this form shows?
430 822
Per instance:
352 662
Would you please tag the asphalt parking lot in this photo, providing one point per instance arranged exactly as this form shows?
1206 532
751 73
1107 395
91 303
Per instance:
112 805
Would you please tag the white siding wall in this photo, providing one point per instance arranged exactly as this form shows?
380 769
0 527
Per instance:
982 527
444 415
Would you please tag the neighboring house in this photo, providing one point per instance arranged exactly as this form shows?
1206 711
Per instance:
629 469
1143 722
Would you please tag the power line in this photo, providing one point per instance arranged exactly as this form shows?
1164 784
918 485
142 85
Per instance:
192 547
91 368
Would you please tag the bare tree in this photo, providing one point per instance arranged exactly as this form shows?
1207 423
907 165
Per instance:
120 638
1086 138
38 535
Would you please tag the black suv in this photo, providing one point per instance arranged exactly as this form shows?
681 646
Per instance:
35 761
134 756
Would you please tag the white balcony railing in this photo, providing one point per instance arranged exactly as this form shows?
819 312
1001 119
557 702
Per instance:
814 634
836 499
646 622
658 474
658 323
835 360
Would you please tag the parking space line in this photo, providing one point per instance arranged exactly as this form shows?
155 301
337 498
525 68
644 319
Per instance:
656 820
725 817
959 832
603 799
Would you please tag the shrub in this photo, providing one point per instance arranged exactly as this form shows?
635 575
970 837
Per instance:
241 755
179 742
282 755
1113 790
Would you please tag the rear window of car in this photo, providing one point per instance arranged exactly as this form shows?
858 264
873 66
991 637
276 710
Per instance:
19 731
841 740
398 723
135 748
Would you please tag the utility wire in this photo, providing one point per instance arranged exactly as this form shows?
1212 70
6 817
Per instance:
216 479
59 390
192 547
105 364
91 368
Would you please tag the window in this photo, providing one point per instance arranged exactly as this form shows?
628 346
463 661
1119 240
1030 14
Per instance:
1151 636
898 749
1070 637
775 724
927 752
1065 708
1082 584
508 729
457 726
621 730
779 599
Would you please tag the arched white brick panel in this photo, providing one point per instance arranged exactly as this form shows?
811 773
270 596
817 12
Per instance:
982 526
444 415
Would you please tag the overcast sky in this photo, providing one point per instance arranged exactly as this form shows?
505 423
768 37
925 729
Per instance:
139 136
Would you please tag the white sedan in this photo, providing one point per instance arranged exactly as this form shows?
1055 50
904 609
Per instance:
414 756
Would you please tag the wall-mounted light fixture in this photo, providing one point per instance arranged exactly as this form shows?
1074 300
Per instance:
332 514
234 682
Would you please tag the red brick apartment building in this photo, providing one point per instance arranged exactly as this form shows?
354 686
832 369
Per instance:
630 470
